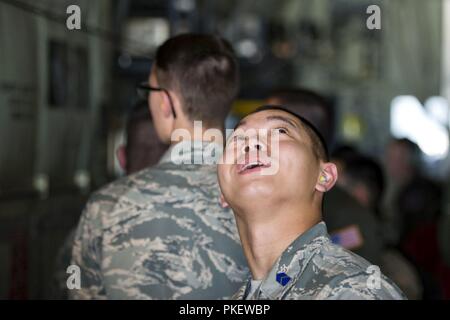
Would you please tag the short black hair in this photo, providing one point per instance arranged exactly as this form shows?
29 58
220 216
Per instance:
203 69
319 145
312 106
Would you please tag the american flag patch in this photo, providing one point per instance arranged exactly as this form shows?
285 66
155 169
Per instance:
350 237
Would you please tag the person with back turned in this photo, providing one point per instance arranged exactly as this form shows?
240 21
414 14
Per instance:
160 233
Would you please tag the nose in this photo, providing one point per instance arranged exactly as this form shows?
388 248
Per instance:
253 144
257 147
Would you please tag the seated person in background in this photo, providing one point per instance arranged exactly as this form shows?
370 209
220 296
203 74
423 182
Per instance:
279 213
350 224
362 176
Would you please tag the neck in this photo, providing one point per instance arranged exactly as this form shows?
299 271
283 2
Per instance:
265 233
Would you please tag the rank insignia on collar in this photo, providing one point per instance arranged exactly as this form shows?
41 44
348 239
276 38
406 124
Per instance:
283 278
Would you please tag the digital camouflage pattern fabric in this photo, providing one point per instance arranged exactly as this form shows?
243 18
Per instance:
312 267
159 234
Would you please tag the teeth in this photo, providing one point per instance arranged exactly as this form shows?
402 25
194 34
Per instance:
252 165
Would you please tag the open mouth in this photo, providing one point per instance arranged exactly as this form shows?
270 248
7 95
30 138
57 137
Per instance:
253 166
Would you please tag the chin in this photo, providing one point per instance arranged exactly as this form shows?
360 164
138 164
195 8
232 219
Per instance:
255 191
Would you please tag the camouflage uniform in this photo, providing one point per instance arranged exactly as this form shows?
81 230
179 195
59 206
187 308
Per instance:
159 234
312 267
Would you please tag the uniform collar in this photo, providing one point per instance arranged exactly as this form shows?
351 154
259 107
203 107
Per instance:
290 265
192 152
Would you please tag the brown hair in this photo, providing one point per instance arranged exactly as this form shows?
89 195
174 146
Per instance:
203 70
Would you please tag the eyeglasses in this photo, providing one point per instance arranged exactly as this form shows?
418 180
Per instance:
143 90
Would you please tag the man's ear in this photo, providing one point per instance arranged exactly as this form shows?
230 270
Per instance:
327 177
168 102
121 155
223 202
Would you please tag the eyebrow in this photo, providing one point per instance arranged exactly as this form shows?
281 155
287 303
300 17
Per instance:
271 118
283 119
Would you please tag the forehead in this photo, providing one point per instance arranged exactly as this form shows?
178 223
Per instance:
266 117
